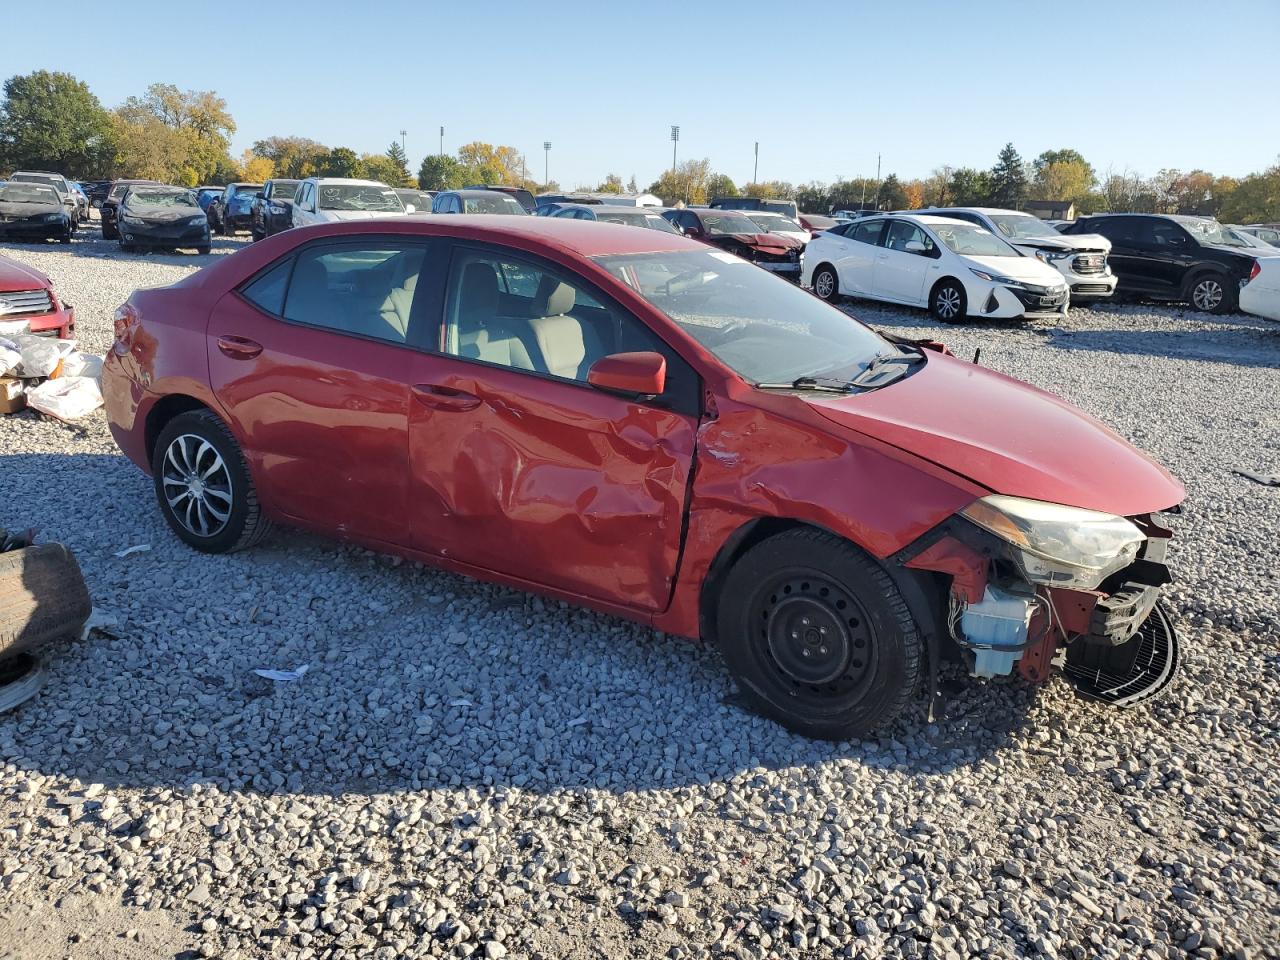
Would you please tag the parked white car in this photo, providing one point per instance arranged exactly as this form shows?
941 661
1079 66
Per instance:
1081 258
777 223
1261 295
329 199
954 268
1269 235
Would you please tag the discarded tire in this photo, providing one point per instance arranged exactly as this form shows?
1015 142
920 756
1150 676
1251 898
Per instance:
42 598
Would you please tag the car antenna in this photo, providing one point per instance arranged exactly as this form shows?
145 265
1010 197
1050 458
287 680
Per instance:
976 354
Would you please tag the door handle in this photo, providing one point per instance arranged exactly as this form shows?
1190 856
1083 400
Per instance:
239 348
444 398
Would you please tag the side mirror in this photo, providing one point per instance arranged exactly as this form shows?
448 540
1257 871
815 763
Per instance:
260 195
914 246
642 373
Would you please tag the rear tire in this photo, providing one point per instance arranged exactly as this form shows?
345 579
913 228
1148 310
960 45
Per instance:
1211 293
947 302
204 249
203 485
826 283
818 635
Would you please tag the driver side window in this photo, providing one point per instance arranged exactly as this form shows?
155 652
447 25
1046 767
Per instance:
902 233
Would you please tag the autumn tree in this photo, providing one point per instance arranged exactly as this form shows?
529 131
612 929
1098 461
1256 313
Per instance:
721 185
687 183
201 121
612 184
380 167
291 157
485 163
52 121
914 191
1255 198
255 168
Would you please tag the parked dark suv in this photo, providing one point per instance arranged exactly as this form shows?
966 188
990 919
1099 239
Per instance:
1190 259
272 209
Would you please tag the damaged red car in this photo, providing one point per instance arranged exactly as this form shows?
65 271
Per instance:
636 422
26 294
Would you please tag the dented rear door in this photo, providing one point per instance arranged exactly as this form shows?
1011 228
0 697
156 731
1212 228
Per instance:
548 480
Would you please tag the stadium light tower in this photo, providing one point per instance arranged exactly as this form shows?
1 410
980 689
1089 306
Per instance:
546 164
675 139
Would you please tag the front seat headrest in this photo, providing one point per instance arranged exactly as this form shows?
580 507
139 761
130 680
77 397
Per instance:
555 302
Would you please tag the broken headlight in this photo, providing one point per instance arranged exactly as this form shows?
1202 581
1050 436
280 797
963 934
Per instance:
1055 545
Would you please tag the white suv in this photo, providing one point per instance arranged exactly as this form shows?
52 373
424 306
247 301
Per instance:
1081 258
330 199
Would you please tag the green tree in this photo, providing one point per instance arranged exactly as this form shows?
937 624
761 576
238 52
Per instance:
1065 155
396 154
1255 198
1008 179
340 162
969 187
813 197
1062 180
612 184
853 194
380 167
631 185
440 172
721 185
52 121
892 195
293 157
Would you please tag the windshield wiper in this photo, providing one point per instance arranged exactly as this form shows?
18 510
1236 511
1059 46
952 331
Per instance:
824 384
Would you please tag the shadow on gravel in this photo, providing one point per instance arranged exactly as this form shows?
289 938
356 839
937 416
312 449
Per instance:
418 679
88 243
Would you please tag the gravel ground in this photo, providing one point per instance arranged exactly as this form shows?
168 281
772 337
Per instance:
470 771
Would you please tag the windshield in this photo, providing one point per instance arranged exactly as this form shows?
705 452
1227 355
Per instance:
821 223
160 197
727 224
491 205
1018 226
420 199
775 223
58 183
971 240
27 193
355 196
765 329
1210 231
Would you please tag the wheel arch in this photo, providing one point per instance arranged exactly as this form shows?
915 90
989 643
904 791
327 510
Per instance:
1200 271
924 591
943 279
163 411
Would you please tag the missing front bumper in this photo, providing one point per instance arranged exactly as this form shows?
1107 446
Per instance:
1129 673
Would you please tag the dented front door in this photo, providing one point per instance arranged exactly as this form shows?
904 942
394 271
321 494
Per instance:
547 480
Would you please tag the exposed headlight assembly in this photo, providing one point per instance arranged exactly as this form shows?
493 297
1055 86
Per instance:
53 217
1055 545
1052 256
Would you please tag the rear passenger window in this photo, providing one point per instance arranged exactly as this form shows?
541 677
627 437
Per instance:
868 232
268 290
362 289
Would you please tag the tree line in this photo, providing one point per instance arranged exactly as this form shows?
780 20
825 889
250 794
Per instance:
53 121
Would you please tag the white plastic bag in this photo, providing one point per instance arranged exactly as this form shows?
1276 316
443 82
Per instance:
10 356
77 364
67 398
9 327
40 355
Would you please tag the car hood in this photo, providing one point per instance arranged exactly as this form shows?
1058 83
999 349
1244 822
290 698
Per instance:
166 214
1008 436
18 276
341 216
762 241
1080 242
29 210
1027 269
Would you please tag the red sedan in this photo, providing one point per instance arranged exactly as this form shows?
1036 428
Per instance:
27 294
636 422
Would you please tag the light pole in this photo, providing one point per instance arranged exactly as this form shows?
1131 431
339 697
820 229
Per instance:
442 141
675 139
755 170
402 144
546 164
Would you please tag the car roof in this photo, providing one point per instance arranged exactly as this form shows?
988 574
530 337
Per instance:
583 238
351 181
983 210
476 192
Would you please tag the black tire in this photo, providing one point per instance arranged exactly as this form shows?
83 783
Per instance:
948 302
204 249
42 598
109 233
65 239
244 523
818 635
826 283
127 247
1212 293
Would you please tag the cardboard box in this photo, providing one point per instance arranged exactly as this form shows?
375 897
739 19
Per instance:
12 395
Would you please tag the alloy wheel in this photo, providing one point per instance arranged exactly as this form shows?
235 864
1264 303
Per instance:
197 485
824 284
1207 294
948 303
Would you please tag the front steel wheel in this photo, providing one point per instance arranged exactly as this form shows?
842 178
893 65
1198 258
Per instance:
818 635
